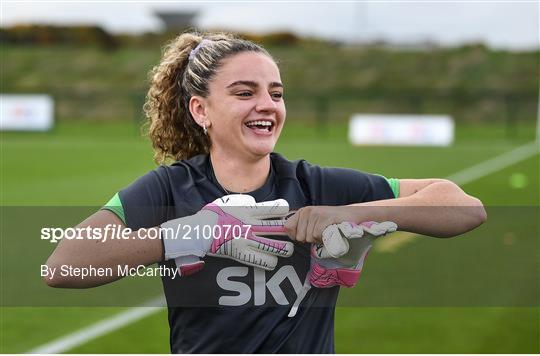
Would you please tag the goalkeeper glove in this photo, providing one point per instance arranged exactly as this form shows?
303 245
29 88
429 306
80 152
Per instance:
230 227
339 259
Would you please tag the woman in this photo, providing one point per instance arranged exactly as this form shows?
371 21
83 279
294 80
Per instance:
216 108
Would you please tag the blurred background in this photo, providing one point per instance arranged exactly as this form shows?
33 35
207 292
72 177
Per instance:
74 79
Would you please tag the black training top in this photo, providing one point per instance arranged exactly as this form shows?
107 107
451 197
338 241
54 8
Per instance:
229 307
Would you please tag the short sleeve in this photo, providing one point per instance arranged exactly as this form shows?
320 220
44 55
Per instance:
145 202
394 184
340 186
115 205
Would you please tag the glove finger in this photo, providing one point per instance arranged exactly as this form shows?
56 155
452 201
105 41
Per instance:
267 227
262 260
379 229
235 200
241 250
271 246
270 209
334 242
256 258
320 251
250 213
237 205
351 230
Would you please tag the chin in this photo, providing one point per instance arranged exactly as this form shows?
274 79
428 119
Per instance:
262 150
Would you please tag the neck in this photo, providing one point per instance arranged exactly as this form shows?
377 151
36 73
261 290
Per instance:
239 175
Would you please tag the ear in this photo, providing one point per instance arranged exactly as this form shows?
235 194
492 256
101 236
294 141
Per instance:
197 107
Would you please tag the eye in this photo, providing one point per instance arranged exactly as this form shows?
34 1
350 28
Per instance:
277 95
244 94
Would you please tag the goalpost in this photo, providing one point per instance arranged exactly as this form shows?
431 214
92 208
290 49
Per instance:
538 117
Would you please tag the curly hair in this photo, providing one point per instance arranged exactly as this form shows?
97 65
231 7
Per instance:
187 66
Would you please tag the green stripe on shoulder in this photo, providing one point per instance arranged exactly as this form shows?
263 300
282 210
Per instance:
115 205
394 185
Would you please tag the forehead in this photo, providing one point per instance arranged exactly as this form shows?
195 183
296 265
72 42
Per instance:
251 66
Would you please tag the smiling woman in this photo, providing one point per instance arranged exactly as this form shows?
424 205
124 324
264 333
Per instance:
216 109
231 106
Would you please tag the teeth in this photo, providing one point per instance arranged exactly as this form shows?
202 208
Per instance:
260 123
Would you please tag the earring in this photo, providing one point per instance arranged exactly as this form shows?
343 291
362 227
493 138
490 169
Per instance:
204 129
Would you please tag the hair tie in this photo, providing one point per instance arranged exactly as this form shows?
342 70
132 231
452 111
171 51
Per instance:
194 51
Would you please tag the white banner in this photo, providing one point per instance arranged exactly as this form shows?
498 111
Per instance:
401 130
26 112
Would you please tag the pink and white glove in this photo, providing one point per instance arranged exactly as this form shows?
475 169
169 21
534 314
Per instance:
339 259
230 227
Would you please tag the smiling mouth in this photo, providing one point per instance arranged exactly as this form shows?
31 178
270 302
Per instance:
260 125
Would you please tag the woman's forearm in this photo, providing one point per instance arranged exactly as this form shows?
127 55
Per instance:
109 253
440 209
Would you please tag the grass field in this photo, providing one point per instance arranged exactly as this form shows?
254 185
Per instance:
84 164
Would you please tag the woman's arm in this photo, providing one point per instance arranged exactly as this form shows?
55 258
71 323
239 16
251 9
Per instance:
434 207
98 253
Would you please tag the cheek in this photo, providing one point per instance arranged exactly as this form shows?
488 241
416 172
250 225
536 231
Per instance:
282 112
234 111
223 119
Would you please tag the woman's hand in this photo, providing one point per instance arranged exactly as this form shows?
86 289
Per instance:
308 223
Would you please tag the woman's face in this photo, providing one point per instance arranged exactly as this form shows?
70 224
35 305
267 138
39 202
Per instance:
245 106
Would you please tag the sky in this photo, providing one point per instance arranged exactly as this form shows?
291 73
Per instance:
510 25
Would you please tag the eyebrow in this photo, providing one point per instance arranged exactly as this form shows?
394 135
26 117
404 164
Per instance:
253 84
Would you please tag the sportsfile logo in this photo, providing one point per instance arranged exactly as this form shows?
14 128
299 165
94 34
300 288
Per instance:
109 232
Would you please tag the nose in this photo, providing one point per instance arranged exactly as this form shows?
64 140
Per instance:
265 103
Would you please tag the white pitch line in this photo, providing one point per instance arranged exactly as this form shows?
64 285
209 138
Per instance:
131 315
463 177
100 328
495 164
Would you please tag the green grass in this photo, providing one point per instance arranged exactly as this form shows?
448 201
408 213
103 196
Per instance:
84 164
437 330
27 327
